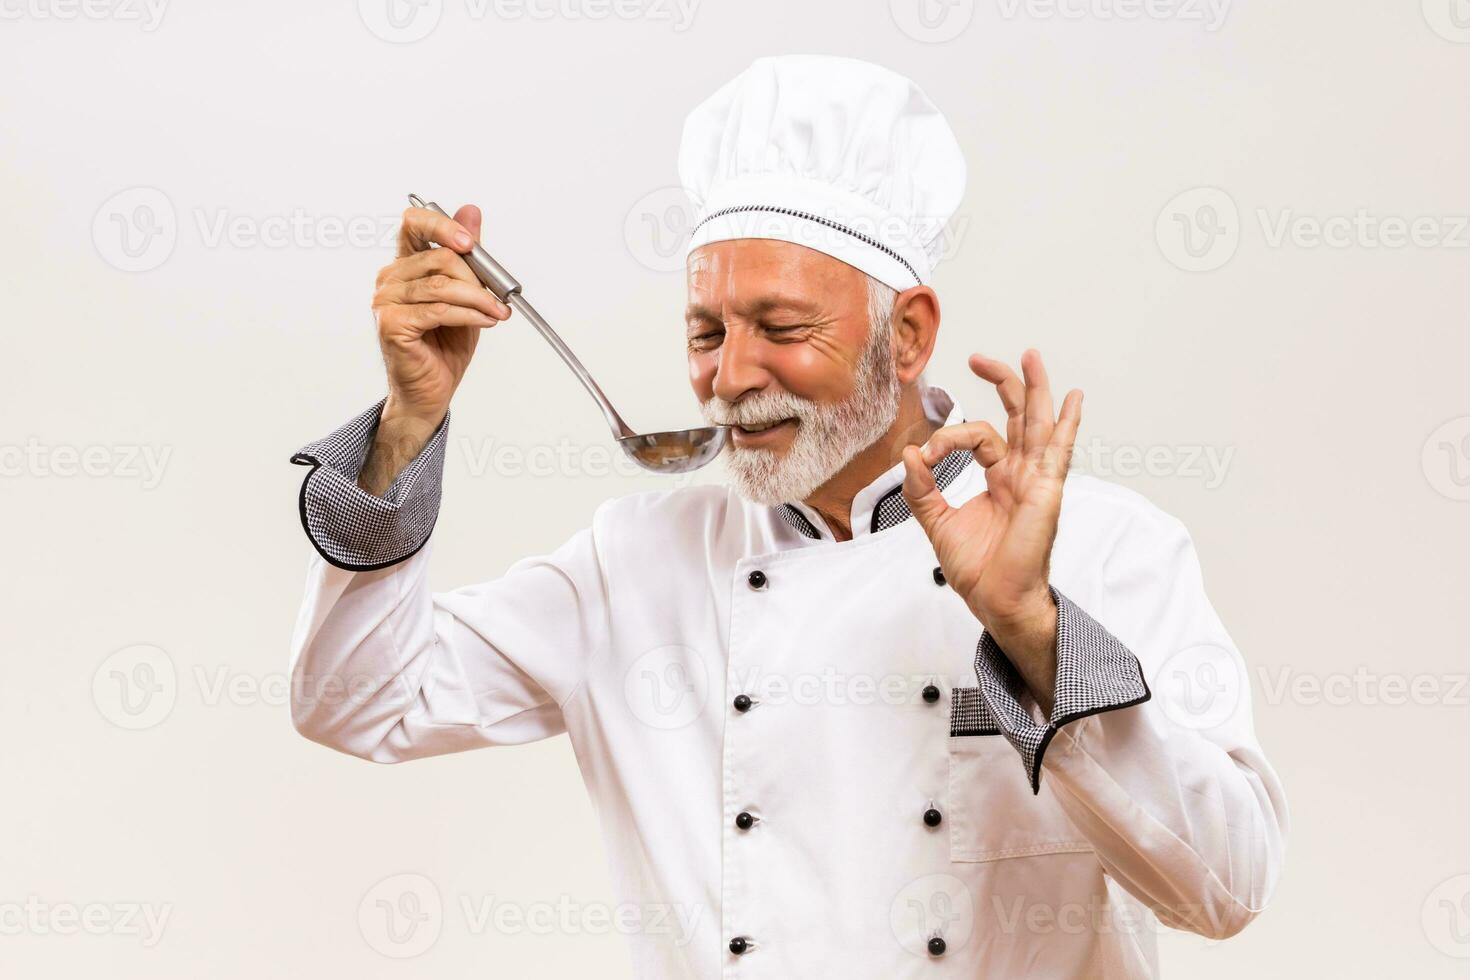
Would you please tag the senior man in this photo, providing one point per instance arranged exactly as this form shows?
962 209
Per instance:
891 705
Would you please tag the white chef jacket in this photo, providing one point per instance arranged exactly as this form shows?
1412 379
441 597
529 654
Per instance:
809 748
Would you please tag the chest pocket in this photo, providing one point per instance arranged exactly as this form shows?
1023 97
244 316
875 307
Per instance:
993 815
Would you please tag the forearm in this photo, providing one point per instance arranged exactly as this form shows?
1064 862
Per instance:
399 439
1192 828
1182 809
1030 644
357 529
387 670
351 681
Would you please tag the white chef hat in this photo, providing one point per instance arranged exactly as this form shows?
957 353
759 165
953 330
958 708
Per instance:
840 155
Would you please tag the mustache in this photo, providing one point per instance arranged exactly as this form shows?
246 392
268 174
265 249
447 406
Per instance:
761 409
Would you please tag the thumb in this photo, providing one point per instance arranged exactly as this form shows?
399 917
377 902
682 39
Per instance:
920 491
469 217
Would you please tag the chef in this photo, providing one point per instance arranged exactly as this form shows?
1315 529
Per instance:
903 699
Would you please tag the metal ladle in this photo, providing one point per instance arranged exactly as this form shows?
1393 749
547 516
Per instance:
679 451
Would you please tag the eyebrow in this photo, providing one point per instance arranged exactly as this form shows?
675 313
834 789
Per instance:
762 306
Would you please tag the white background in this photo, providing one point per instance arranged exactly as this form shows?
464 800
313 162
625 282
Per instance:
1329 378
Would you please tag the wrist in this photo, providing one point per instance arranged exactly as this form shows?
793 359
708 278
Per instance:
1028 639
406 419
1023 617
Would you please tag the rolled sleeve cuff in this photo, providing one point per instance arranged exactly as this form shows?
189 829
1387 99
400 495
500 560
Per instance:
350 527
1095 673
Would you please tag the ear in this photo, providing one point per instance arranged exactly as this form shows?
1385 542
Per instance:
915 329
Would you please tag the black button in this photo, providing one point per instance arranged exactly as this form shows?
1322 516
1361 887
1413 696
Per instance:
938 575
739 945
931 693
742 702
756 579
744 820
932 817
937 947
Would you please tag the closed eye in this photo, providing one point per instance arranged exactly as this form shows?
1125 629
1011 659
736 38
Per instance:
784 330
707 340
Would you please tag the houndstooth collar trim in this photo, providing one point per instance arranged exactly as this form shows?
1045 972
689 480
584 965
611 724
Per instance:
891 509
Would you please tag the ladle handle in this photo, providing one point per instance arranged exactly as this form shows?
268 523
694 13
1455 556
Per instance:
508 291
491 273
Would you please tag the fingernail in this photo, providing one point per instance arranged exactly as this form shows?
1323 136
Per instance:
462 240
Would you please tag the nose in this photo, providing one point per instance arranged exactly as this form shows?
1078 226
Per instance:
740 369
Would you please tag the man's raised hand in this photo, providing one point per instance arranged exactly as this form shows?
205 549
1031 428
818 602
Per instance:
995 549
429 309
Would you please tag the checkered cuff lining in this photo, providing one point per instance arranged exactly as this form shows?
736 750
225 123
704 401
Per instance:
968 714
1095 673
350 527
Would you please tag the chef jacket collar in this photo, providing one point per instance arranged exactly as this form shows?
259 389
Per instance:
881 504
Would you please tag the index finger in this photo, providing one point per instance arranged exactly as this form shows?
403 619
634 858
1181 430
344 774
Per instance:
422 228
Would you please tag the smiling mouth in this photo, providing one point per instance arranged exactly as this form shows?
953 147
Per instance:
763 435
753 428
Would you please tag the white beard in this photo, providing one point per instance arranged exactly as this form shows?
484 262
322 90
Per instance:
827 435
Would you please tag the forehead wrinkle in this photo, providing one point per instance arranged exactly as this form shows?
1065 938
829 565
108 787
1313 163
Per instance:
757 306
754 308
778 276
